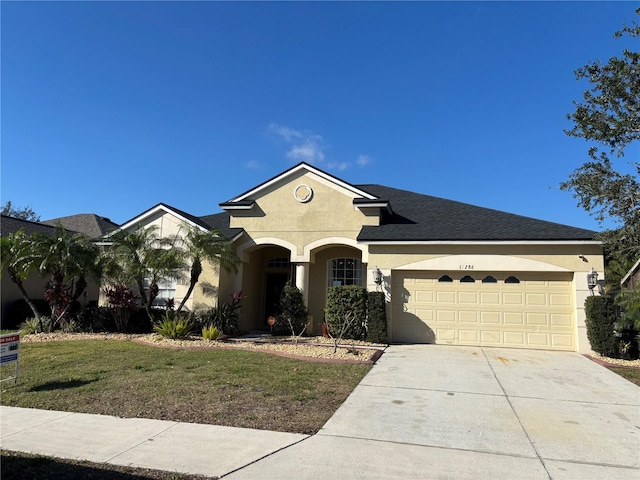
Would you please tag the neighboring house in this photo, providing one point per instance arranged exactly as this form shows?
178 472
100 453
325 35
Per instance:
631 280
453 273
91 225
94 226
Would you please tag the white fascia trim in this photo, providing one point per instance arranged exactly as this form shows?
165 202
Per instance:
153 211
630 272
309 168
482 242
237 207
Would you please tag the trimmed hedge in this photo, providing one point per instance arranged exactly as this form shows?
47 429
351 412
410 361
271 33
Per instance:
601 317
342 303
376 317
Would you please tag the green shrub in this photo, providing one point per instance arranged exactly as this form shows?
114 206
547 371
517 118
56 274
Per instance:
33 325
94 319
343 303
601 317
376 317
210 332
223 317
293 316
174 326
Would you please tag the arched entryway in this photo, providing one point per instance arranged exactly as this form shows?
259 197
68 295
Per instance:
265 273
331 265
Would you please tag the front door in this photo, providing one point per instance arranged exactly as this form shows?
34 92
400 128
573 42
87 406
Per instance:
275 282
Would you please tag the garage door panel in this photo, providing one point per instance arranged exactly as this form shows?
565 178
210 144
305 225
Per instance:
513 318
537 319
514 339
446 297
562 341
510 298
471 337
490 337
466 316
424 296
468 297
559 300
537 299
490 298
537 312
490 317
560 320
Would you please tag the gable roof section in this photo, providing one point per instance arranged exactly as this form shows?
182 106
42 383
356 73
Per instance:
244 200
163 207
423 218
94 226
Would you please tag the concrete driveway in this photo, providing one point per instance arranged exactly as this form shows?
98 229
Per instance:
427 411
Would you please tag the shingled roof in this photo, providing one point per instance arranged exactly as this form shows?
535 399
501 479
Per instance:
10 225
418 217
220 221
94 226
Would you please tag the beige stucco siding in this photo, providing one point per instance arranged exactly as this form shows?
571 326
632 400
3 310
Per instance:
279 215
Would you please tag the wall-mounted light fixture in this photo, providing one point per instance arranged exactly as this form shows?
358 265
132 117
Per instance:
592 280
377 276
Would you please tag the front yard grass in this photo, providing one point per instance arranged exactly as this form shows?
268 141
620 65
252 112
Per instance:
222 387
631 374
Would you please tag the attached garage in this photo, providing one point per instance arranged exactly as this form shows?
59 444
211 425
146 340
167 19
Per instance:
498 309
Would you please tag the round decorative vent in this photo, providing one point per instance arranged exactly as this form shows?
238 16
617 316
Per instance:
303 193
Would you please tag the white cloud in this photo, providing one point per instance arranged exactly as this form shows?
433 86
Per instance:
307 146
340 166
254 165
363 160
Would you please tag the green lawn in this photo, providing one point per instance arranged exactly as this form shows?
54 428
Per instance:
223 387
631 374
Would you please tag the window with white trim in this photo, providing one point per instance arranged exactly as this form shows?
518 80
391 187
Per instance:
166 290
344 271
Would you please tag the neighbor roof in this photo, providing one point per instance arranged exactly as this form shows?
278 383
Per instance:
220 221
94 226
418 217
10 224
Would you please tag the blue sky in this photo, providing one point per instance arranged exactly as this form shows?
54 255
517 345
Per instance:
112 107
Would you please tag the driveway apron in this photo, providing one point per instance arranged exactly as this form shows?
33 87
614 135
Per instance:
427 411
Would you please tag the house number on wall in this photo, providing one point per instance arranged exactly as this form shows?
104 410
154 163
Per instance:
466 267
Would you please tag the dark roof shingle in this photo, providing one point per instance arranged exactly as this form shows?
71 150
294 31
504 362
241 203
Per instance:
418 217
94 226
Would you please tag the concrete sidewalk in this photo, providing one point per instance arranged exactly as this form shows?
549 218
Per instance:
423 411
158 444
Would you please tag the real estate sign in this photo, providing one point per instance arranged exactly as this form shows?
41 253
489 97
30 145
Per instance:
9 349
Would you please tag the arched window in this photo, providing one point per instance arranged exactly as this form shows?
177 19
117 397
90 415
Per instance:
489 279
344 271
467 279
445 279
511 279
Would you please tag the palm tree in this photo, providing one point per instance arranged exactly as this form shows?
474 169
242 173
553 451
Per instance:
68 259
211 246
140 255
18 257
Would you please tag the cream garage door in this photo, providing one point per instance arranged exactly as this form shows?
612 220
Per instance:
518 309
